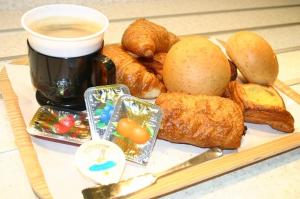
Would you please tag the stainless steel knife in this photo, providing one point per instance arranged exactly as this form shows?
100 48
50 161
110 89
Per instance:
137 183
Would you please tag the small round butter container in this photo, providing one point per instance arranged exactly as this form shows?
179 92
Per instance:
101 161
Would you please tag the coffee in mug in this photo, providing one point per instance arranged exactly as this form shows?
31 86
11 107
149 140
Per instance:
65 27
64 44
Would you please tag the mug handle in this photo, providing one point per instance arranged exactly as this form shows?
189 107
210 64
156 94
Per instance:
105 70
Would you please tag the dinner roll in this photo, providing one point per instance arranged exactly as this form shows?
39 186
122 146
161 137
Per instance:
195 65
253 56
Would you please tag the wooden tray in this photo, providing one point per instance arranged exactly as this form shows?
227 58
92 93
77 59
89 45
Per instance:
22 139
166 184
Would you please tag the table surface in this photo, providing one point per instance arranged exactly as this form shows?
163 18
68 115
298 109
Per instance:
277 21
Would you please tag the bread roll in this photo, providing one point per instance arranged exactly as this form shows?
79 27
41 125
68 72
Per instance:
254 57
195 65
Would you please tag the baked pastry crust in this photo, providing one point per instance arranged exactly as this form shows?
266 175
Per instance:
155 64
204 121
133 74
145 38
261 104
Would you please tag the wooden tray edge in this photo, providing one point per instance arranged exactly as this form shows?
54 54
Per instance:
22 139
219 166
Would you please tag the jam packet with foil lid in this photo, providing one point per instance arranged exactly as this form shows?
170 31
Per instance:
60 125
100 103
134 126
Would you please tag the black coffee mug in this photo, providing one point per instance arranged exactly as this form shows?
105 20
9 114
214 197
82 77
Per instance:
61 82
64 42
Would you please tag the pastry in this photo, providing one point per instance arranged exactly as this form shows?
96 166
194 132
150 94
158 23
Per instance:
133 74
261 104
155 64
145 38
200 120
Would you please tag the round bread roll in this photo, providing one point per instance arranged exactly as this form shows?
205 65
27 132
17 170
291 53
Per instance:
195 65
254 57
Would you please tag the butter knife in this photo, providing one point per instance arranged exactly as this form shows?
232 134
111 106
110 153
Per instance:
137 183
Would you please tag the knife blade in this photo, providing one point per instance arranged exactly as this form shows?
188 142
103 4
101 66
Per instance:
137 183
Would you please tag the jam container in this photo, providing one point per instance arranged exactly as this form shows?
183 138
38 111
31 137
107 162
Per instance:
101 161
100 102
133 127
60 125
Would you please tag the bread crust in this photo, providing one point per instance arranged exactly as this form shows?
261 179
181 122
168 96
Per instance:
195 65
253 56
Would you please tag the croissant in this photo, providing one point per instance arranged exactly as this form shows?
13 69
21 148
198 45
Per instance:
145 38
140 82
154 64
261 104
200 120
